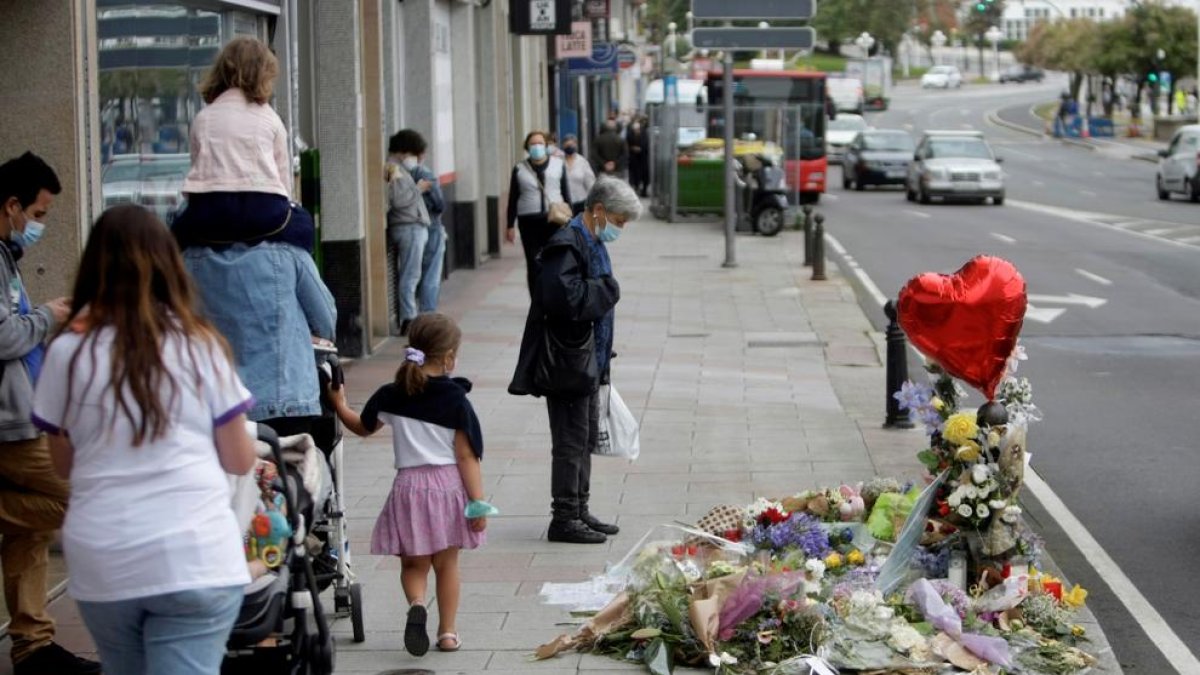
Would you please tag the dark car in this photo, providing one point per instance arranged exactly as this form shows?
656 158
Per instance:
1022 74
877 157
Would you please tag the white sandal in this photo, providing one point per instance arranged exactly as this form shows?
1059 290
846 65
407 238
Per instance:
449 636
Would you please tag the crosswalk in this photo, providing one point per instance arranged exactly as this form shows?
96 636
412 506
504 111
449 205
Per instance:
1183 234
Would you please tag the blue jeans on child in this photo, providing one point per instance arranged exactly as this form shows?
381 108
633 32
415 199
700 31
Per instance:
180 633
431 267
409 241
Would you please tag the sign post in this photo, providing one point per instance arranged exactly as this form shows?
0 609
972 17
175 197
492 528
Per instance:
728 38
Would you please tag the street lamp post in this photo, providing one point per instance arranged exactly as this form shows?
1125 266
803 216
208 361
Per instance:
938 39
671 38
994 35
865 42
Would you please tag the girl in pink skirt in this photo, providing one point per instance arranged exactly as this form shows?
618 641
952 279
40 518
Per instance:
438 447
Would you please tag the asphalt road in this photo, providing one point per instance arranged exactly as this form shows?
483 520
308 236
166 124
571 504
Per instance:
1117 382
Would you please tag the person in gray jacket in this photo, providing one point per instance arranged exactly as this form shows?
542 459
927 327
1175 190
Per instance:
407 228
33 499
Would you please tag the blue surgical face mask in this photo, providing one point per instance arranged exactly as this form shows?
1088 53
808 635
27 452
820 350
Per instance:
537 151
32 234
609 232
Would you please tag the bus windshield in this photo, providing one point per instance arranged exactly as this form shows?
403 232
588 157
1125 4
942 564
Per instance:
789 110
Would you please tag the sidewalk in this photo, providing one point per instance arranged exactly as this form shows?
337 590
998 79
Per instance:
752 381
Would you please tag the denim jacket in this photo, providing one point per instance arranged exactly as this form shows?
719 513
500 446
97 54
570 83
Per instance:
268 301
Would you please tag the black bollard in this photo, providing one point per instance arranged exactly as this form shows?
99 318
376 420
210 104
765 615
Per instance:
808 227
897 370
818 248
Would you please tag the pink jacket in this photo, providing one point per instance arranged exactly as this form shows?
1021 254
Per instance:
239 146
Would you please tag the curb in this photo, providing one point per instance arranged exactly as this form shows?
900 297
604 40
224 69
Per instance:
999 121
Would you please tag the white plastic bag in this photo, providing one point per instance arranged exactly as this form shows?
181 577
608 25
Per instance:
618 427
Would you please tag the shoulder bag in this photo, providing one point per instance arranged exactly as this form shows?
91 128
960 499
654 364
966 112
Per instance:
558 213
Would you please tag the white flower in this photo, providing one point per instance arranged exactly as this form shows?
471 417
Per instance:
1018 355
982 511
904 638
993 439
954 500
997 504
971 493
984 491
725 659
1011 514
979 474
815 569
965 510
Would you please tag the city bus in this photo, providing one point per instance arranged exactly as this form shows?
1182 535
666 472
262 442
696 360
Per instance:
784 106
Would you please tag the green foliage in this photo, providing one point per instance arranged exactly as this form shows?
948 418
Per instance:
840 20
983 15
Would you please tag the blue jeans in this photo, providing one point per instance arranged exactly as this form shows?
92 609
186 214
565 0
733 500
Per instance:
431 268
409 241
180 633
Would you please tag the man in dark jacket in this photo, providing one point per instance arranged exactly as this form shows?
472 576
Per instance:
608 150
573 302
33 499
638 140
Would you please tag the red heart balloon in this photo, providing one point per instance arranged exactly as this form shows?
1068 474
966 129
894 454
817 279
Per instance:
968 321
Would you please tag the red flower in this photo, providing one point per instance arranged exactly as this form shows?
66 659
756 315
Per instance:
734 535
943 509
773 516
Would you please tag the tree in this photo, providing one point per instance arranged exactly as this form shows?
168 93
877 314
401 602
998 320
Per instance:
836 21
980 17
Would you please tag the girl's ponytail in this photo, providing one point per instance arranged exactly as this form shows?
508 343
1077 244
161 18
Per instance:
431 338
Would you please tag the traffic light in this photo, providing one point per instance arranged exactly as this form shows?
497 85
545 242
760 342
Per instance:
1152 78
980 7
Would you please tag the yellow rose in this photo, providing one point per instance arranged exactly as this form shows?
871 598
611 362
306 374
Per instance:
968 452
937 403
960 428
833 561
856 557
1076 597
1078 631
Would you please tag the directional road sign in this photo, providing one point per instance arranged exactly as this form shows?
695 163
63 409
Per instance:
754 9
754 38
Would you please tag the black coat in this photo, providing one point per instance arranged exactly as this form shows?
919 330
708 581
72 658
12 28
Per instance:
567 300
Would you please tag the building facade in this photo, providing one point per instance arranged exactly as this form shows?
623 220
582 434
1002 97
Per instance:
110 107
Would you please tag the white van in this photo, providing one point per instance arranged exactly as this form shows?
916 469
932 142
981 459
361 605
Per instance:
691 93
846 94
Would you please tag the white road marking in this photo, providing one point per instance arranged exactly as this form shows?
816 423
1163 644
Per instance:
966 126
1087 193
1039 183
1090 219
919 214
907 125
868 283
1003 237
1069 299
1094 277
1168 231
831 197
964 112
1175 650
1097 173
1043 314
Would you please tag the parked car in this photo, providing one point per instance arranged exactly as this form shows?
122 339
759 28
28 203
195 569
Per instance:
955 165
1179 166
846 94
877 157
1022 74
840 131
942 77
153 181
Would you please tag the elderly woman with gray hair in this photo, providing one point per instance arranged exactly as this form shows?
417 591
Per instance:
567 346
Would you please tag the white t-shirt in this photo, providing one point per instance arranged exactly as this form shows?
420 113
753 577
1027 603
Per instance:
153 519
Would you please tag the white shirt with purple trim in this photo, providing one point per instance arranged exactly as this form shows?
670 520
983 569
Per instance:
156 518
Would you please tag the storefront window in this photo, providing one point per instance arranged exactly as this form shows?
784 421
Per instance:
152 57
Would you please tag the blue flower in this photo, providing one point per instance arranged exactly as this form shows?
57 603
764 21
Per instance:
913 395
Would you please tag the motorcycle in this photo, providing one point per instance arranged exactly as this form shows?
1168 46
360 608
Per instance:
762 194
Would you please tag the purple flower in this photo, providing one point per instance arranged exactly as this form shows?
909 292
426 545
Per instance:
951 594
913 395
934 563
801 531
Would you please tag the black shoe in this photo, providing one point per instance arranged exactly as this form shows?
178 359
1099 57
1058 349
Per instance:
53 659
574 532
590 520
404 327
416 634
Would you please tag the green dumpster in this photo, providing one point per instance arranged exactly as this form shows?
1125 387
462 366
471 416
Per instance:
701 184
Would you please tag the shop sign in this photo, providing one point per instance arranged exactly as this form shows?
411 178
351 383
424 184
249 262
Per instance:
578 44
603 61
595 9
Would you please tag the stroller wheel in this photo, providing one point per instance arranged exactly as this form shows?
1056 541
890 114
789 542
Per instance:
321 655
356 612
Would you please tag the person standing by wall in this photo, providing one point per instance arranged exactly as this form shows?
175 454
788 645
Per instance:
410 146
33 499
608 150
580 176
536 183
408 224
637 138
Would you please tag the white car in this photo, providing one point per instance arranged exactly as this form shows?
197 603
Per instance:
942 77
955 165
153 181
841 131
1179 168
846 94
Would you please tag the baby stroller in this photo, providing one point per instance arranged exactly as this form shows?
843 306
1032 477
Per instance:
286 603
282 627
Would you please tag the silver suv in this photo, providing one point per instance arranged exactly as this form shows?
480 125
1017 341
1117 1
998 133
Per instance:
955 165
1179 166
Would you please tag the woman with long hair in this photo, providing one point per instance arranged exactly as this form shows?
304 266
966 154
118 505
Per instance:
145 416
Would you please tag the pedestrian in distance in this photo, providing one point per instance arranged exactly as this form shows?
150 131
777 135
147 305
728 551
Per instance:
408 226
33 498
609 151
580 177
438 446
537 182
573 308
410 147
146 416
239 187
637 139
